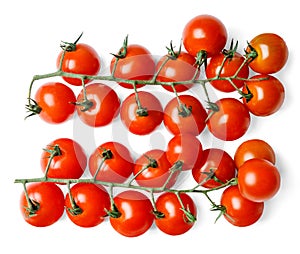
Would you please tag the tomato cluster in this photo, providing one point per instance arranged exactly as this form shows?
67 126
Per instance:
249 178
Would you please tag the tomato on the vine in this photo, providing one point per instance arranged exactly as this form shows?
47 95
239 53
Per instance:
111 162
45 205
240 211
100 107
88 205
187 117
206 33
68 162
174 221
135 213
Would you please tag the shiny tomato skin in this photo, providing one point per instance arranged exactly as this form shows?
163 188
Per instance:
116 168
56 101
83 60
50 201
268 95
204 32
136 213
70 164
220 162
105 108
182 68
92 199
272 53
253 148
177 123
138 64
174 221
231 121
229 69
141 125
240 211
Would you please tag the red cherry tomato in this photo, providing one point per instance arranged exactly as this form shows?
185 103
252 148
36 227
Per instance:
253 148
231 121
56 101
175 221
138 64
268 95
46 204
258 180
113 162
240 211
70 162
105 105
217 162
186 118
83 60
91 202
272 53
204 32
141 124
136 213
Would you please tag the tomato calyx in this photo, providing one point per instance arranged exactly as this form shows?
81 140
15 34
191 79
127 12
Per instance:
33 108
70 46
172 54
229 53
84 105
248 96
184 110
123 50
251 53
201 59
75 209
113 212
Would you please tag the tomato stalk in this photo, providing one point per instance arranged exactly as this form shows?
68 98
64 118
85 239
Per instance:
53 152
105 155
190 217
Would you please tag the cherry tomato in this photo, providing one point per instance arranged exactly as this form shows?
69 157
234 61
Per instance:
69 162
56 101
272 53
105 105
91 202
204 32
153 169
268 95
83 60
138 64
185 148
217 162
229 69
240 211
174 220
136 213
140 123
114 162
231 121
180 68
189 117
46 204
253 148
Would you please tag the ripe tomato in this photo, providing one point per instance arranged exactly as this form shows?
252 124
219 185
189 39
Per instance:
240 211
204 32
105 105
186 148
268 95
136 213
180 68
219 162
174 220
114 162
83 60
258 180
152 169
231 121
91 203
271 53
69 163
137 123
138 64
253 148
56 102
229 69
46 204
188 118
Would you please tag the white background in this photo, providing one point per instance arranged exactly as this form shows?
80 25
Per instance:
30 35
